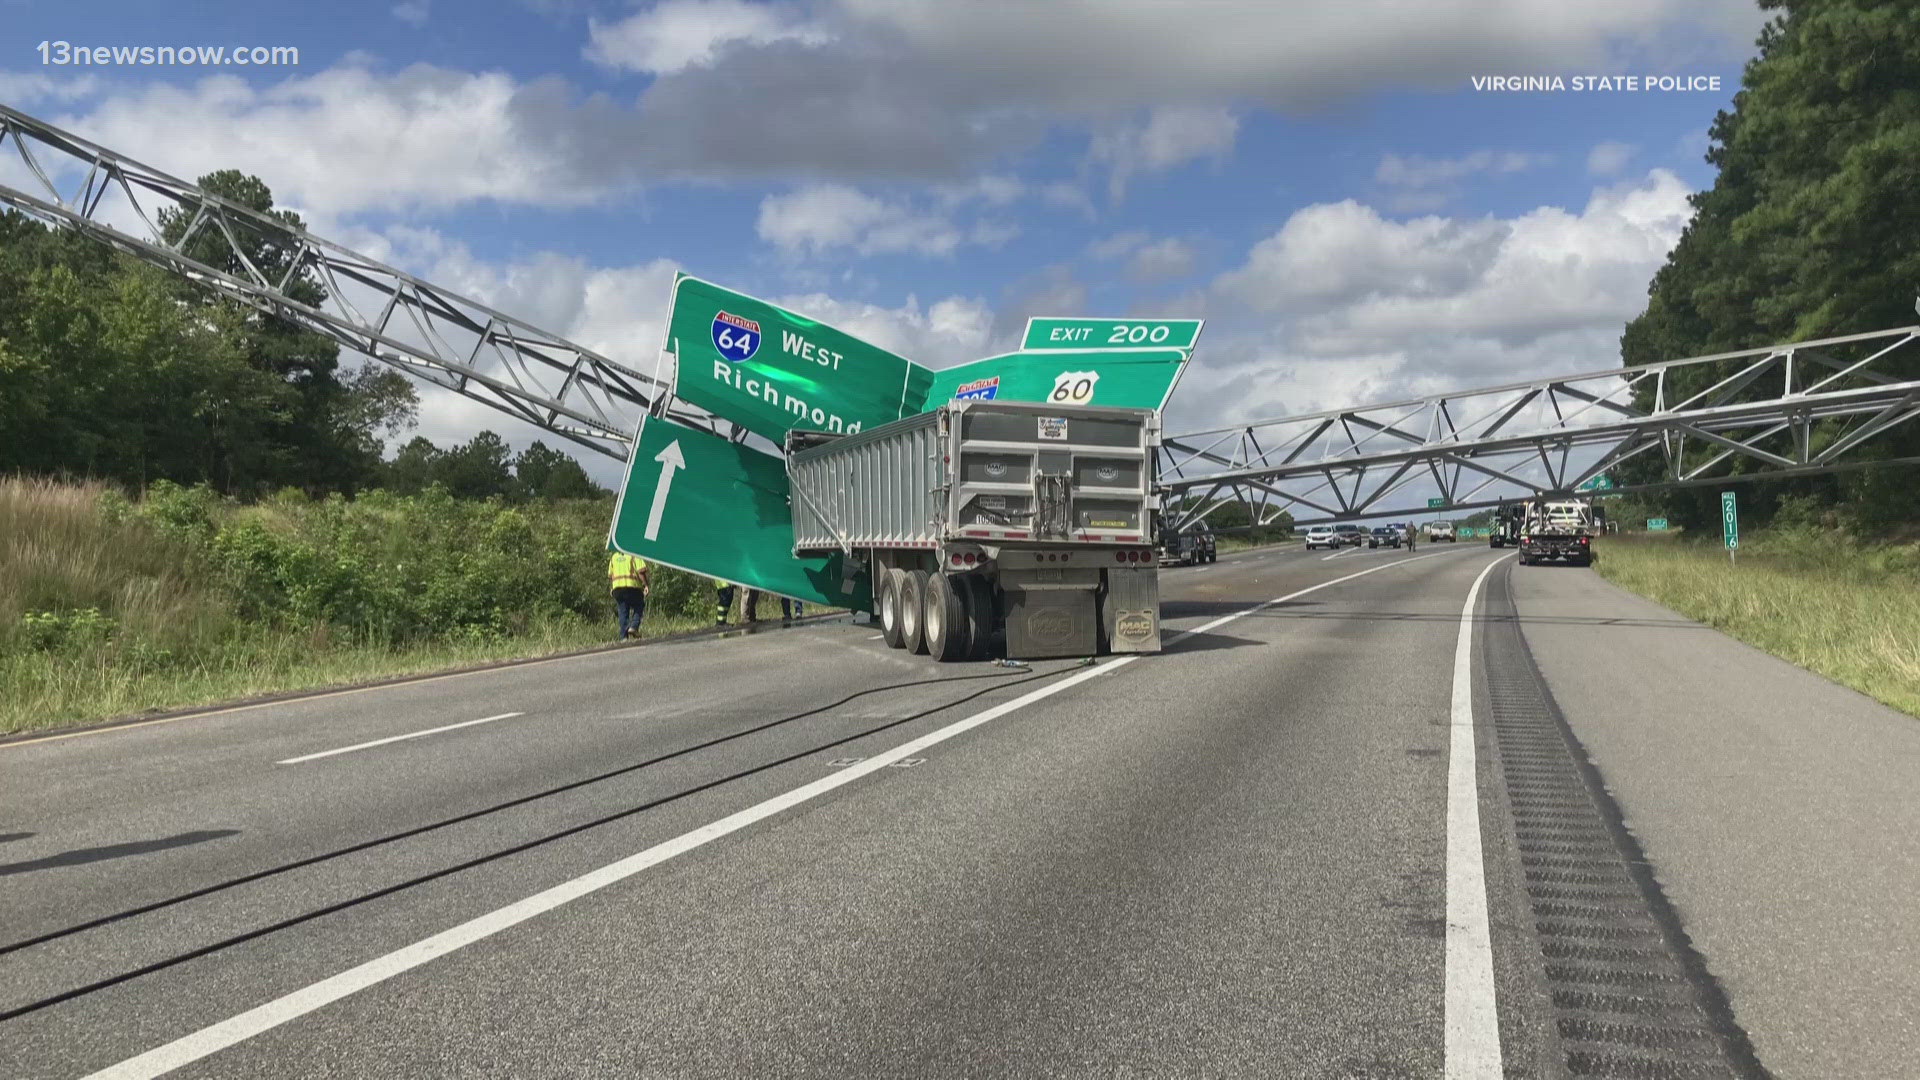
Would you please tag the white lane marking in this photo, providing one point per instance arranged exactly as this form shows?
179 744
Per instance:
1472 1016
876 637
1225 619
210 1040
1337 554
397 738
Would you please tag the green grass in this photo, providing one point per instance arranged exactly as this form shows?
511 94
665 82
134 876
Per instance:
112 609
1849 611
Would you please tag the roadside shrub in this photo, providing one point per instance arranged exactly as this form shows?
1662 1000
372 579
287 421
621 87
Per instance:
65 632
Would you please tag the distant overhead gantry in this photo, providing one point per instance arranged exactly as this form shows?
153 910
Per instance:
1782 410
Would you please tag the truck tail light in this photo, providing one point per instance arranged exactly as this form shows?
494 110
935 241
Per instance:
1123 556
1585 539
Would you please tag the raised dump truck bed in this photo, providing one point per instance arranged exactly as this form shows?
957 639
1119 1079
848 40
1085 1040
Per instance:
982 518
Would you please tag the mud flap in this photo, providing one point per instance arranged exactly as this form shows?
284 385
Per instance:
1130 610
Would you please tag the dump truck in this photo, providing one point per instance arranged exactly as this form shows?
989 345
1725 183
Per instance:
981 522
1506 527
1560 530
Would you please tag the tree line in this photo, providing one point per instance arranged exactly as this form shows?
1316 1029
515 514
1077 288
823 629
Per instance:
114 370
1808 231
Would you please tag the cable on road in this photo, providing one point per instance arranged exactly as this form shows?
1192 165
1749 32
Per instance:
1001 681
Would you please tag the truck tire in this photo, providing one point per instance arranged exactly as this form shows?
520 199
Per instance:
892 581
913 612
945 619
977 595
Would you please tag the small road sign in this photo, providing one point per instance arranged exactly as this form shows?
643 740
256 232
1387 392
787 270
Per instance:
1435 504
1656 524
1076 334
1729 522
1603 482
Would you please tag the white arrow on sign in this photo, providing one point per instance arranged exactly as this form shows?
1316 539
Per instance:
670 461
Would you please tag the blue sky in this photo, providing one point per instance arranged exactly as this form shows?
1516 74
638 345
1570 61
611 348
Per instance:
1320 181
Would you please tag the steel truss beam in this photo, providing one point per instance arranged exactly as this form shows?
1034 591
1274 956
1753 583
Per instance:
1783 410
435 335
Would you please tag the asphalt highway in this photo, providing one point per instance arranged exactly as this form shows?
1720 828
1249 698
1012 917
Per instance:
797 853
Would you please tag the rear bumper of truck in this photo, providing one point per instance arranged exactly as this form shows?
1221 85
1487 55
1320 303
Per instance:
1556 547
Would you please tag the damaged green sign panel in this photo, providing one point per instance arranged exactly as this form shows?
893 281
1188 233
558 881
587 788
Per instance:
771 370
699 502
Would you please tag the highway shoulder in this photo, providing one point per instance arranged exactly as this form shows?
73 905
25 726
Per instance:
1777 808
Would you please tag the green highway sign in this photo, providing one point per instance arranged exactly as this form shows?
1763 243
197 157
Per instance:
703 503
771 370
1138 379
1603 482
1656 524
1729 521
1435 504
1081 334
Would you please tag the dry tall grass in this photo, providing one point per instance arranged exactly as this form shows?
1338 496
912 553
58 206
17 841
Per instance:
104 614
59 553
1850 612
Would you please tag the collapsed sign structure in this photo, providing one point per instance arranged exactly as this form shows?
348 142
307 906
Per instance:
770 371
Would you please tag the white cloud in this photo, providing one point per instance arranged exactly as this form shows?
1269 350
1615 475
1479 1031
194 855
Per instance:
1121 53
1609 158
1147 259
819 218
1421 184
678 34
1416 171
19 88
413 12
348 138
1360 307
1168 137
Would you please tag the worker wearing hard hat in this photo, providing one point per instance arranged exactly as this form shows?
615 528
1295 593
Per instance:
627 575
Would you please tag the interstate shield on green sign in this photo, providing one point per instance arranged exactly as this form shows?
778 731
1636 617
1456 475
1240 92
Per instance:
1140 379
702 503
771 370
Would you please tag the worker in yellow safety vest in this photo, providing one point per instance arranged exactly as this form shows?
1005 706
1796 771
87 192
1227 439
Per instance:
723 600
627 574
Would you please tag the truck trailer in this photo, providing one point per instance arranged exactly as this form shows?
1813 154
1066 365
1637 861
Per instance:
979 521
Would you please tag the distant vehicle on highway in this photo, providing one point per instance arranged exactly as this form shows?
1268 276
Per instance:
1350 535
1322 536
1505 530
1441 530
1557 530
1387 535
1190 546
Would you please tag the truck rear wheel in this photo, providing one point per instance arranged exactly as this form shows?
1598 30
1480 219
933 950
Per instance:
945 619
913 611
892 581
977 596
